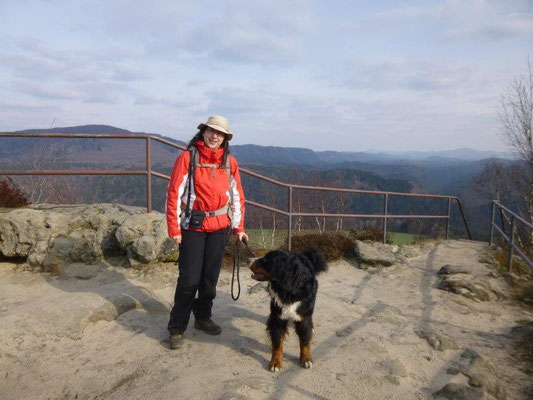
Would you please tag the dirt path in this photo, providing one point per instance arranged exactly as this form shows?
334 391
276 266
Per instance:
105 337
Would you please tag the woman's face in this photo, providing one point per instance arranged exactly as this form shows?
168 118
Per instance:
213 138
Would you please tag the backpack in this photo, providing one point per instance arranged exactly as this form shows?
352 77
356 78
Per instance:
193 164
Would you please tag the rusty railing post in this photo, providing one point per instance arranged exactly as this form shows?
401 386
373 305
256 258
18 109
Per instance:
511 244
385 213
289 239
493 213
448 219
148 177
464 218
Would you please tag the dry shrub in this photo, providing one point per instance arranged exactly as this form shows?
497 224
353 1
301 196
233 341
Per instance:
521 279
230 253
369 233
334 245
520 268
10 194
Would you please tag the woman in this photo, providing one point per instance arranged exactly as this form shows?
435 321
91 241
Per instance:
204 201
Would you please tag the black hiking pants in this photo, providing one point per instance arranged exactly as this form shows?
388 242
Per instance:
200 259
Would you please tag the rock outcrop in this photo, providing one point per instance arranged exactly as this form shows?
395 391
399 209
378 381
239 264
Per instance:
374 253
470 283
54 236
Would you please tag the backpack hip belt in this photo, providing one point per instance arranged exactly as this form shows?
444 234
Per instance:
220 211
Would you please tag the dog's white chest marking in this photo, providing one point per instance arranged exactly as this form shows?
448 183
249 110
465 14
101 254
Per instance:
288 311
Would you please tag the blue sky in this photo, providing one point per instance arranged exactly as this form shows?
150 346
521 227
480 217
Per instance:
326 75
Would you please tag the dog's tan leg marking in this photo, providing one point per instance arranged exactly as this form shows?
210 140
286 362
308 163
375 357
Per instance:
306 359
276 362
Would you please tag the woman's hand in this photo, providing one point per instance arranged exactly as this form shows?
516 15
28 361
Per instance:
177 239
242 237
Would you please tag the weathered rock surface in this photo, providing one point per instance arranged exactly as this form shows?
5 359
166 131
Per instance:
456 391
54 236
475 285
374 253
395 368
437 340
109 325
258 287
481 374
454 269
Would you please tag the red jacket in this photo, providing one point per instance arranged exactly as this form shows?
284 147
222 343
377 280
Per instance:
212 189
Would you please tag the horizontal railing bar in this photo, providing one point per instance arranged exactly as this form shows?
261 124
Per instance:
334 189
66 135
522 255
502 233
253 203
73 172
513 213
367 215
160 175
243 170
378 192
515 247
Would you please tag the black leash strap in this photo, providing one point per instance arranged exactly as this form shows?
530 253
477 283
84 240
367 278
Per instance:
237 266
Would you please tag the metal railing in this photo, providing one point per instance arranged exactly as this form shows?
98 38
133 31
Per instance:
510 239
385 216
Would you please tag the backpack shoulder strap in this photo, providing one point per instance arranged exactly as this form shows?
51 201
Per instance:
192 166
195 158
227 166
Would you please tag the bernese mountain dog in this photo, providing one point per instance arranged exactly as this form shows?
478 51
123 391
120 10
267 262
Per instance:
293 288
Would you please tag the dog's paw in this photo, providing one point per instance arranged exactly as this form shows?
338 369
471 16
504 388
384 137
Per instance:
306 363
275 366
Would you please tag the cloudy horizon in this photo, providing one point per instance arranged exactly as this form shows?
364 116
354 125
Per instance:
340 75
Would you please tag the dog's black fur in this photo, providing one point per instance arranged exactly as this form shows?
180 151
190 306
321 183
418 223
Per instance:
292 280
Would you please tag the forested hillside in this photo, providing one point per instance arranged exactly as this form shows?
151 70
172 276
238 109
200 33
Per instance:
439 175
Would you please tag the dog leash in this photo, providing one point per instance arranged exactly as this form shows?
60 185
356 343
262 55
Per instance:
237 266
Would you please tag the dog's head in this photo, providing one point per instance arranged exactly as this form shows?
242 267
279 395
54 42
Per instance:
290 274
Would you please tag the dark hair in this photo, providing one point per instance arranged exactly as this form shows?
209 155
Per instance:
200 136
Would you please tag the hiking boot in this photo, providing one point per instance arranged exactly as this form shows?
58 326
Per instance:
176 341
208 326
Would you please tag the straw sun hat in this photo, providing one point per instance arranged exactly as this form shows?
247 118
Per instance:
219 123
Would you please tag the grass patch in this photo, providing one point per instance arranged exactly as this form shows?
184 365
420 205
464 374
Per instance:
401 238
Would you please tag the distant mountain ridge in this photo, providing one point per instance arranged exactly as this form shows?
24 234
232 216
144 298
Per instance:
80 129
446 172
465 154
252 153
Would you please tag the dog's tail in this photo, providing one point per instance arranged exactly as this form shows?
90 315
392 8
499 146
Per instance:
317 259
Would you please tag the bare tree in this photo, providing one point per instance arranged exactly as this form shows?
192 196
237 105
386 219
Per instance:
49 189
39 187
516 116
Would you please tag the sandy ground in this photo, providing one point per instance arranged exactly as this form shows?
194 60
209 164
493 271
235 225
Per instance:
105 337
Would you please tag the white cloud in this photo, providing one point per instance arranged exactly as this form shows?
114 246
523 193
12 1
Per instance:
303 73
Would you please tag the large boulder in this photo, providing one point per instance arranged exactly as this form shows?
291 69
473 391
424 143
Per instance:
145 239
52 236
374 253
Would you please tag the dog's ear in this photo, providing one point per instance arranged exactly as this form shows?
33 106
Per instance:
317 259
